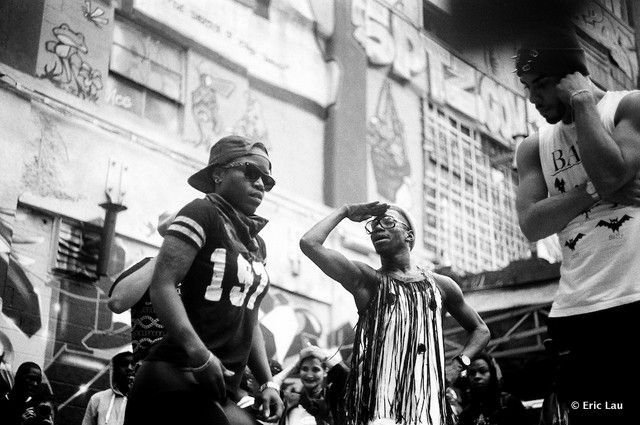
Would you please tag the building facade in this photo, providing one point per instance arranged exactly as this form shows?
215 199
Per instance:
118 102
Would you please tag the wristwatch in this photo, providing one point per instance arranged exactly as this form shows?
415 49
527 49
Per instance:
464 360
591 190
269 384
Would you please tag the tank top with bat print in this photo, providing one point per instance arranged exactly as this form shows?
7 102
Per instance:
600 260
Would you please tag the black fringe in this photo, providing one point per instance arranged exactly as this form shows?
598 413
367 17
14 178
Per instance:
415 305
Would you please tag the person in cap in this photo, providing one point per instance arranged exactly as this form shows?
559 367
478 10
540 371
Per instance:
213 249
578 178
397 366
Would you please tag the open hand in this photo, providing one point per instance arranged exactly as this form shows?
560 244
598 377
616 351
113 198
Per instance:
361 212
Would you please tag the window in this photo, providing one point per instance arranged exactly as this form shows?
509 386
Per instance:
146 76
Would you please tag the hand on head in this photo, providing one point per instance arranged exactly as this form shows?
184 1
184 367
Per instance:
361 212
571 84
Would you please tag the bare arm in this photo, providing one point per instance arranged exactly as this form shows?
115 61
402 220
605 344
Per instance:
610 160
350 274
130 289
259 365
539 215
173 263
467 317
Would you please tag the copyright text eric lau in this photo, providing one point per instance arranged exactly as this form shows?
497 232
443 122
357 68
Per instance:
596 405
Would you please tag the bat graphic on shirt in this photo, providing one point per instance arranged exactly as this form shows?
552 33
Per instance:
571 243
614 224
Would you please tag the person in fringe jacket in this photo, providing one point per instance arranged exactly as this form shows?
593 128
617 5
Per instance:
397 367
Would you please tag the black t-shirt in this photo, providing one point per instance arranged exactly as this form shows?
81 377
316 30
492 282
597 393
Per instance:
223 288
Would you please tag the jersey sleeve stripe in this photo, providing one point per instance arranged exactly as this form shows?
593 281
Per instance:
194 225
190 234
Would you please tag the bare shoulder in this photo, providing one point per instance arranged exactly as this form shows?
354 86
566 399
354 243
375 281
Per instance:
449 289
529 147
629 107
369 275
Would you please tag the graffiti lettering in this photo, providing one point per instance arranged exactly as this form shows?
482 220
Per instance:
388 39
123 101
602 26
502 111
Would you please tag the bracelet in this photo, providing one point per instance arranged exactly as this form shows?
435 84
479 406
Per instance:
269 384
575 93
204 366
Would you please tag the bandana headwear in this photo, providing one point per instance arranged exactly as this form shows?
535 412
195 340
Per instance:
554 50
551 61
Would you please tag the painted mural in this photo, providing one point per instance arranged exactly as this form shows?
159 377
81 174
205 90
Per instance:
94 14
600 24
43 173
206 107
252 124
386 140
70 70
61 317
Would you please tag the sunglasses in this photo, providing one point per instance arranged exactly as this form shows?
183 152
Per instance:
386 222
253 173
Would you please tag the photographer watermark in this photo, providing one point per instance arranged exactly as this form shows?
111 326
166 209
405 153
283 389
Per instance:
597 405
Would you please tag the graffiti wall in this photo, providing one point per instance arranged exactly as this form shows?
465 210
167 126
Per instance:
54 309
75 42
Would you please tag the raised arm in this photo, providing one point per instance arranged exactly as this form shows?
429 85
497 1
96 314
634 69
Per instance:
174 260
350 274
130 286
610 160
467 317
539 215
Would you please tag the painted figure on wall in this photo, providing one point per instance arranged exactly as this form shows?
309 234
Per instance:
206 106
71 71
252 124
386 139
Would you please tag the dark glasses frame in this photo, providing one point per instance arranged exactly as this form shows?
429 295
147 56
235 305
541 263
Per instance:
369 225
252 173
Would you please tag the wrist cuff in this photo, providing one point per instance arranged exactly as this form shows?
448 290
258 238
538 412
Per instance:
270 384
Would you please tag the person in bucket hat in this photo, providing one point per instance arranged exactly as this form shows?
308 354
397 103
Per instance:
213 250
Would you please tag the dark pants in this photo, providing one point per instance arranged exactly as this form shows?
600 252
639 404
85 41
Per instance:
163 394
599 377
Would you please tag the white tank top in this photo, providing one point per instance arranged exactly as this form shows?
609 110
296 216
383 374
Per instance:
600 257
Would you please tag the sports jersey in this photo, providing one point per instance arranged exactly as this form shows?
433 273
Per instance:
600 265
146 328
223 288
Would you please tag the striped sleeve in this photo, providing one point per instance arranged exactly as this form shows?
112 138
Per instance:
190 224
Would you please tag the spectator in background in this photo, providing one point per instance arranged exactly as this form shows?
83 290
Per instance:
22 404
307 403
6 377
487 404
107 407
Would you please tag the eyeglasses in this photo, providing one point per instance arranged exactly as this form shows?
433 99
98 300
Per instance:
253 173
386 222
